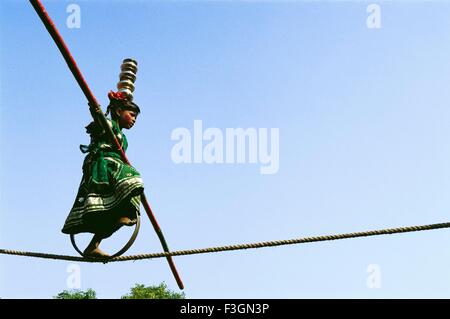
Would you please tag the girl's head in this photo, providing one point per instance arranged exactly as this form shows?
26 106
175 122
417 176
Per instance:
122 110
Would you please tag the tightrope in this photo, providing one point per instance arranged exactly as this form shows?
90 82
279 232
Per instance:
388 231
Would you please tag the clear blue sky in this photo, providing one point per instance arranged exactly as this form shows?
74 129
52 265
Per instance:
364 128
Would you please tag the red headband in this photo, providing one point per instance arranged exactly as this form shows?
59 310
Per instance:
117 96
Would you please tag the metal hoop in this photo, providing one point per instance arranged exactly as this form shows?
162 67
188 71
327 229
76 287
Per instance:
120 252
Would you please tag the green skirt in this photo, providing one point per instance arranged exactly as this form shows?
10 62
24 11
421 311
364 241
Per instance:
110 189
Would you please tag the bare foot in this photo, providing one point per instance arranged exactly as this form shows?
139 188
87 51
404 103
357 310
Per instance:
125 221
95 253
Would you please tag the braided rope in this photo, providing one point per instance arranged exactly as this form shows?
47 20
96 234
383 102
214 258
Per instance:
388 231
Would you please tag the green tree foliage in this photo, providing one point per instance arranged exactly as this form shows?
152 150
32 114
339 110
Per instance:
76 294
137 292
153 292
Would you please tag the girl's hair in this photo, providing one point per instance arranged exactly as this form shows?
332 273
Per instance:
122 105
118 100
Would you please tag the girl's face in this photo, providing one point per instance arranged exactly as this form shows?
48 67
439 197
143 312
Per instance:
126 118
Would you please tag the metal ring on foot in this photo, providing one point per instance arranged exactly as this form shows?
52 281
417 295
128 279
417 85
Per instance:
120 252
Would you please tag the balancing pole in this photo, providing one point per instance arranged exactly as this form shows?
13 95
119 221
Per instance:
98 116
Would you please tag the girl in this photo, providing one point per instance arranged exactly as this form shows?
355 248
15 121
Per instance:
109 194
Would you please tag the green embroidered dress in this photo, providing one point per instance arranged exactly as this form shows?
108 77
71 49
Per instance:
109 189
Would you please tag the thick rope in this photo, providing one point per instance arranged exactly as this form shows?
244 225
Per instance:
388 231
